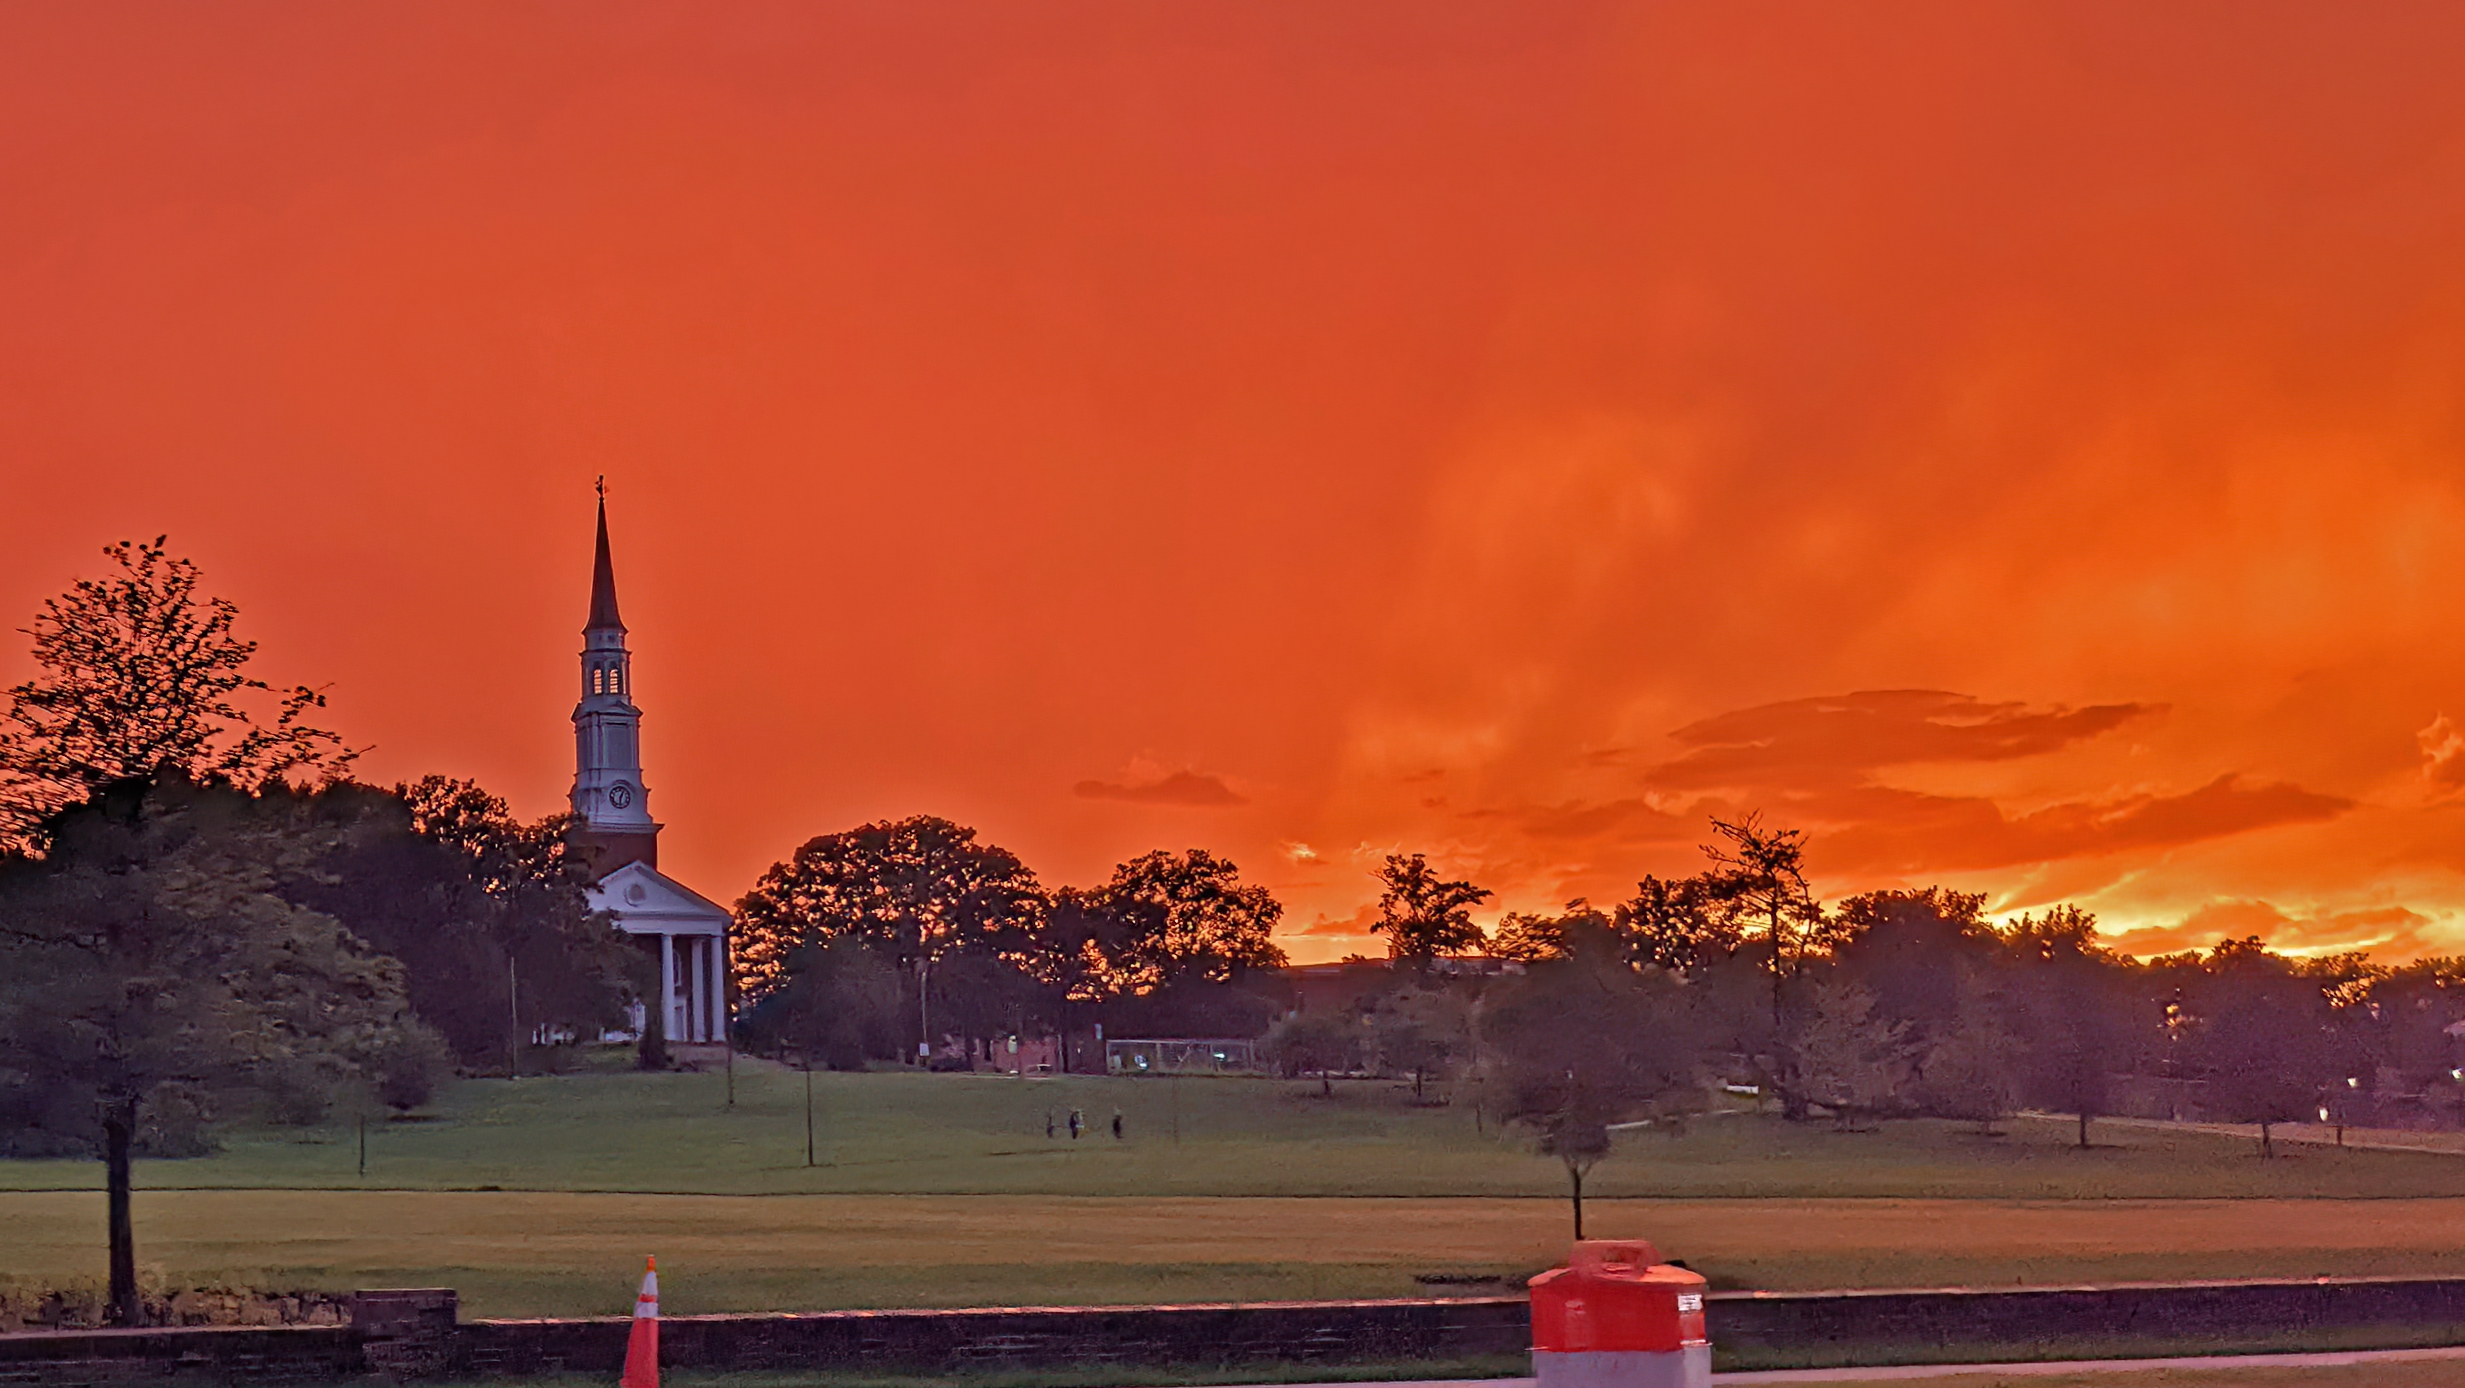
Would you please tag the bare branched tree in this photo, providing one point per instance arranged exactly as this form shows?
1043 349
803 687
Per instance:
142 674
1757 884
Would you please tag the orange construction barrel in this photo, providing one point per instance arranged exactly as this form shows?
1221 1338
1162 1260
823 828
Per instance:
1616 1316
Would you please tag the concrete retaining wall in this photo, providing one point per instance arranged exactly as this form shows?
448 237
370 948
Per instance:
415 1334
1762 1325
944 1341
200 1354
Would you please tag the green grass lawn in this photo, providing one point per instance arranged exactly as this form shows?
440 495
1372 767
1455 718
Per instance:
539 1196
909 1134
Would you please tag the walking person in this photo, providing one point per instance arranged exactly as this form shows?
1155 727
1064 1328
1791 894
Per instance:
1116 1125
1048 1123
1076 1123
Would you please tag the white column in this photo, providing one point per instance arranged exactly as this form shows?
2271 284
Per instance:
708 977
667 986
718 992
691 1004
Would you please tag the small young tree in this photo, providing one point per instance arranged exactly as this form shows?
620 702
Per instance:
1320 1042
1420 1032
1577 1134
1579 1043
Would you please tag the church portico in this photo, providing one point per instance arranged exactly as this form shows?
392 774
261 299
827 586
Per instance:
687 932
611 806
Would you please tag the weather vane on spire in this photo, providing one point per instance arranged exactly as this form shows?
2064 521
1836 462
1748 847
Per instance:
603 486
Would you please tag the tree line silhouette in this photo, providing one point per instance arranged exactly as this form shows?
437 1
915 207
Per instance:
203 916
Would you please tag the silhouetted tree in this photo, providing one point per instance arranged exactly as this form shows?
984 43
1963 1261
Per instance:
487 913
2260 1038
2074 1012
1757 887
1527 938
918 890
1184 918
1531 938
2413 1007
1673 925
1069 956
140 673
1424 915
1917 952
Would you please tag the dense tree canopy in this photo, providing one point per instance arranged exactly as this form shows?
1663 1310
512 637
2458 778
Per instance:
919 889
486 913
1184 918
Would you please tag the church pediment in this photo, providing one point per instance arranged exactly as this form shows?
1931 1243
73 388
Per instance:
647 901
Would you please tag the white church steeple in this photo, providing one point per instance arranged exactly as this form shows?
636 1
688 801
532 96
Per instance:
610 803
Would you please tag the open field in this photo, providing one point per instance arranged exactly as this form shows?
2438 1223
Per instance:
568 1254
540 1196
903 1133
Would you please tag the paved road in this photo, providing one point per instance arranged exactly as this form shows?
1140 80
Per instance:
2339 1359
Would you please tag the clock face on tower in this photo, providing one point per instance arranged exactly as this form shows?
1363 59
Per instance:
620 795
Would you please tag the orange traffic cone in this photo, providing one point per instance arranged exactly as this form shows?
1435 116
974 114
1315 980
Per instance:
642 1351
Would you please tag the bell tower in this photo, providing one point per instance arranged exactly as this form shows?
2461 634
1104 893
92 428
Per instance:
611 806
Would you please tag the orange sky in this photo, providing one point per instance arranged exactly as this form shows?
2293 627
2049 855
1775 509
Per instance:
1308 430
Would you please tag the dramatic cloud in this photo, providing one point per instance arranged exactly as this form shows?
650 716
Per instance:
1811 741
1905 834
1189 788
2392 931
1422 408
2443 755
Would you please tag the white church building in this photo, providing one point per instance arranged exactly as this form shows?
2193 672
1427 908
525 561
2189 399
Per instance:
686 930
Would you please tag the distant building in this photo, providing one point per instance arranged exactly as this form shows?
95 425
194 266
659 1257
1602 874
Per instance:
1159 1056
1319 987
611 806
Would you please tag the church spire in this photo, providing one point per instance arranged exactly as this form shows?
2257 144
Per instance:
611 806
603 576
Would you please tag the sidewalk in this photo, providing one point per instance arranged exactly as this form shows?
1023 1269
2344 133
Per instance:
2203 1363
2316 1134
1913 1373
